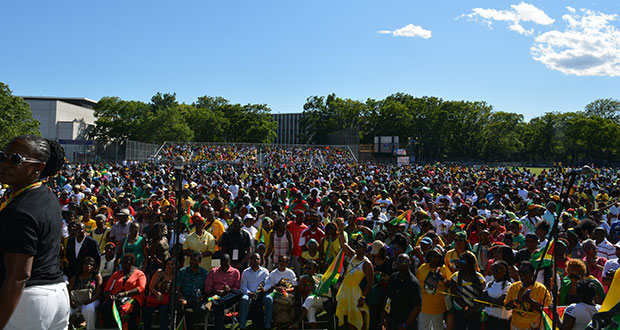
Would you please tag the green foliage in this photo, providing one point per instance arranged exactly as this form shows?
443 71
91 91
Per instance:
464 130
15 116
209 119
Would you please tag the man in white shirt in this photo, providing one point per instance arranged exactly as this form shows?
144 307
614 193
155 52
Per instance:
611 266
531 219
278 274
253 282
604 248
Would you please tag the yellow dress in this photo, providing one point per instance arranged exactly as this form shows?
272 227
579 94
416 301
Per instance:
348 295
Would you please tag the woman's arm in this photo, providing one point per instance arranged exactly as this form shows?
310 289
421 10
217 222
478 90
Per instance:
369 274
18 269
98 288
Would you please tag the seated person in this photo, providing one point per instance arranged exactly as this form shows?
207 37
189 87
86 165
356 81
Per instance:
253 289
282 280
190 289
84 290
224 282
126 287
313 301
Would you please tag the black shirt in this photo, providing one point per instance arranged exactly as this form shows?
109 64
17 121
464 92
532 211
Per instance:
241 241
404 294
31 224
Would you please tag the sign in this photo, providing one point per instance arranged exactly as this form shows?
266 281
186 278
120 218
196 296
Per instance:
400 152
77 142
403 160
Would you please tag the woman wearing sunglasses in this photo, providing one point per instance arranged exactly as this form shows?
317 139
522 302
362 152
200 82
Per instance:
576 271
34 295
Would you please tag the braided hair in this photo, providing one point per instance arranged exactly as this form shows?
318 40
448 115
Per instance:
48 151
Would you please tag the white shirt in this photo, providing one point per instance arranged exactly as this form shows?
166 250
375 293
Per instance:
496 290
442 226
606 250
529 224
252 231
582 313
611 264
78 246
276 275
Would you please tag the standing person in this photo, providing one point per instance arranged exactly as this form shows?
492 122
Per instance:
281 242
495 293
80 246
466 286
404 299
578 316
527 298
134 244
200 241
296 226
120 229
433 276
237 244
31 282
351 298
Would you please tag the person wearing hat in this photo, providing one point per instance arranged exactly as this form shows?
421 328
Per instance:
311 253
433 275
120 229
199 241
101 234
404 300
460 248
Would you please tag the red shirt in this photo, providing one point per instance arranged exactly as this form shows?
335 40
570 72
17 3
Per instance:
309 234
296 230
218 278
137 279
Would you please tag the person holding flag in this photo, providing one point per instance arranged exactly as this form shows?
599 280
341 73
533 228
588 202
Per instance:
526 298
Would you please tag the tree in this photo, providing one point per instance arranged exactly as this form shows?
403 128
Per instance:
119 120
604 108
15 116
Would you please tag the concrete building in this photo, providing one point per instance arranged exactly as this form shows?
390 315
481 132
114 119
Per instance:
289 127
66 119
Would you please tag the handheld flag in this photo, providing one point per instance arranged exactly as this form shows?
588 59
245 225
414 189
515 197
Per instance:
331 275
116 315
546 260
405 217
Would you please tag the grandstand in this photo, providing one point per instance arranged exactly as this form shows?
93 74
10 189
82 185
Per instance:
254 154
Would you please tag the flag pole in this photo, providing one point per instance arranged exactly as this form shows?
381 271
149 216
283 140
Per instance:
553 236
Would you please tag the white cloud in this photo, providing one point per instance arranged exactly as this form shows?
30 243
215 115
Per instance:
409 30
589 46
523 12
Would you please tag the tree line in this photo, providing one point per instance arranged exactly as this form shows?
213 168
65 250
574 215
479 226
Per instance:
209 119
470 130
438 129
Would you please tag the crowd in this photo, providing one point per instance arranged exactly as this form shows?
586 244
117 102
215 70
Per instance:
249 154
423 247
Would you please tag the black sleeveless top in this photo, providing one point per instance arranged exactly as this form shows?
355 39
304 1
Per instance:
31 224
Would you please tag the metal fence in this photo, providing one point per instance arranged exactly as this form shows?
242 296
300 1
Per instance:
140 151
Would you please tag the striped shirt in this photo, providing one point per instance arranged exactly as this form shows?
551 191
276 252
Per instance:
606 250
466 290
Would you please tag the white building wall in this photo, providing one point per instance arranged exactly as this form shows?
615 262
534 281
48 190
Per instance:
45 112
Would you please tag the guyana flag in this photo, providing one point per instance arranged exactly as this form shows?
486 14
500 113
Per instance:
116 315
548 316
331 275
546 260
405 217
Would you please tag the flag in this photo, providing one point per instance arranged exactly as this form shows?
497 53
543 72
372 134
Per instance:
405 217
116 315
181 325
548 316
546 260
331 275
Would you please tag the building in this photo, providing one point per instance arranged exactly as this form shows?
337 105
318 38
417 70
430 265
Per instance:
66 119
289 127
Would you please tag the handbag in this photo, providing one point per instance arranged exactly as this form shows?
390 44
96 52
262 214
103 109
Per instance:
81 296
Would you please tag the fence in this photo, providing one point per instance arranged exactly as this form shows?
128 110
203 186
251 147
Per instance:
140 151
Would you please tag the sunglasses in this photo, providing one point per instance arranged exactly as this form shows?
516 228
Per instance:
17 159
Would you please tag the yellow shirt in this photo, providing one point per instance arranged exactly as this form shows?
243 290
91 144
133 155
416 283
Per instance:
102 239
306 255
216 229
264 236
522 317
434 303
90 225
202 243
452 256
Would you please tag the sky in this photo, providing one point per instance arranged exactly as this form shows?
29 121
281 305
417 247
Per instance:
528 57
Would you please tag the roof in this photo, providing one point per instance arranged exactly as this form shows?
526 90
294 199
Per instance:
79 101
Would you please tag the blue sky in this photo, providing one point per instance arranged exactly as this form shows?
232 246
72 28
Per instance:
528 57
